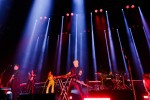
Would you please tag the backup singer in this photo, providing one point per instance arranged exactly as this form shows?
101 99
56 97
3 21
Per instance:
30 83
51 83
76 73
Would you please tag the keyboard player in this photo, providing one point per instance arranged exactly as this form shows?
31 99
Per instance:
75 73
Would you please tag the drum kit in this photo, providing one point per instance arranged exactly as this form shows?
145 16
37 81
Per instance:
113 81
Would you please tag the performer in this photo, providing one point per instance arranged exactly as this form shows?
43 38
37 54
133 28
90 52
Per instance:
76 73
30 83
51 83
146 82
14 82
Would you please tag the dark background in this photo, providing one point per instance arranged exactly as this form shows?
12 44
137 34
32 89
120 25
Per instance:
14 14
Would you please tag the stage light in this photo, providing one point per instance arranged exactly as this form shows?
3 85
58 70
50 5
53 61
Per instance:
127 6
72 14
132 6
67 14
145 97
70 97
96 10
16 67
45 17
8 92
96 98
41 18
101 10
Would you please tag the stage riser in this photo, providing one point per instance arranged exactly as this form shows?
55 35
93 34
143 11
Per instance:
37 97
113 94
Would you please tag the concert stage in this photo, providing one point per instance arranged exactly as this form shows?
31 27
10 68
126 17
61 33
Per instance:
122 94
113 95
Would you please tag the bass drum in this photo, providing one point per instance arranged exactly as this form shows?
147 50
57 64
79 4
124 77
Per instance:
109 84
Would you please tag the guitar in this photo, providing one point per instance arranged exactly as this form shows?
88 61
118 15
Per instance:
82 83
12 78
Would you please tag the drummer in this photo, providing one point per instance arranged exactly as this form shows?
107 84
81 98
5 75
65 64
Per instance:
109 81
110 76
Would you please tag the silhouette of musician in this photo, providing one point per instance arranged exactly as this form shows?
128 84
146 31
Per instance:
51 83
30 83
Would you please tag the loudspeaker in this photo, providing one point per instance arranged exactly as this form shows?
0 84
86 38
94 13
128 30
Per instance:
51 96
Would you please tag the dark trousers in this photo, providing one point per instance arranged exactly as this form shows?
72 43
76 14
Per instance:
30 87
77 86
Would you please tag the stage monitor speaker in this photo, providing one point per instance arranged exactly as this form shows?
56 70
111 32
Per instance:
51 96
5 93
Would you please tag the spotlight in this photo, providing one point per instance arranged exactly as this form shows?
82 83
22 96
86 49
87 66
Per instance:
145 97
70 97
8 92
16 67
101 10
45 17
127 6
132 6
96 10
67 14
72 14
41 18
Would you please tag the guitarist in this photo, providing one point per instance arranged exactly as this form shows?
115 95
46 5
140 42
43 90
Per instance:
14 82
75 73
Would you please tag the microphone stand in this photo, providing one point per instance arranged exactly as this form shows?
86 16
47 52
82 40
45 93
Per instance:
131 79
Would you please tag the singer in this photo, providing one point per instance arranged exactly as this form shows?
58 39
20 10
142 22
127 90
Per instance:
51 83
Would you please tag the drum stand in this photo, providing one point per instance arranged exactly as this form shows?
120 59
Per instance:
117 84
102 86
124 86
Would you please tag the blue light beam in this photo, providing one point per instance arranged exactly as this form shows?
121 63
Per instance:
60 48
132 48
43 49
123 56
145 28
109 60
93 49
113 57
